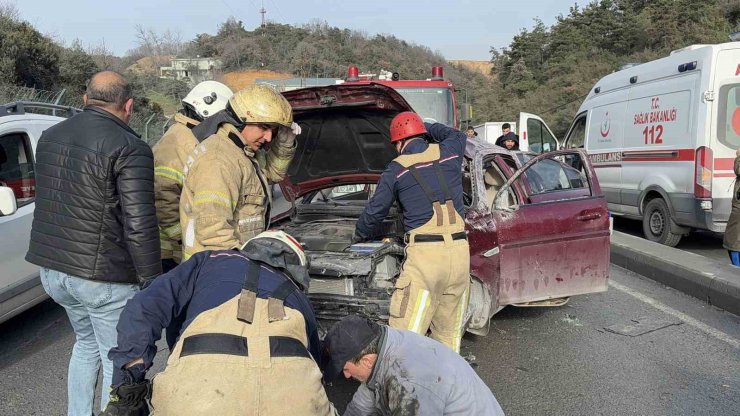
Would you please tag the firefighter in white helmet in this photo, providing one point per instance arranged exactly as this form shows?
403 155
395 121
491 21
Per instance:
227 195
170 154
248 339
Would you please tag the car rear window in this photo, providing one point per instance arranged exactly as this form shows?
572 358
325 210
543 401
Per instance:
16 167
728 124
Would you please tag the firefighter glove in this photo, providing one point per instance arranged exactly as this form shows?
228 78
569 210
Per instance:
130 395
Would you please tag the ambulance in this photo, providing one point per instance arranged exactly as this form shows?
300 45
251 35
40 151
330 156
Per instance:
662 136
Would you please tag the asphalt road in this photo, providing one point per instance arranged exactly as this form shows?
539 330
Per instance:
705 243
544 361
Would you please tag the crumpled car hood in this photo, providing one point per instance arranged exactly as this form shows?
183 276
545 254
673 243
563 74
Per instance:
345 135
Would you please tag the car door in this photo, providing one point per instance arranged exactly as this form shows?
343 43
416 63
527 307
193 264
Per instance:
17 149
534 135
553 239
16 172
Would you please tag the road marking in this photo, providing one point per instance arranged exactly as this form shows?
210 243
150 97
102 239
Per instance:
682 316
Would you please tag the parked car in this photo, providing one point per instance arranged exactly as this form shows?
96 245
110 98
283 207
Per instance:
20 286
538 225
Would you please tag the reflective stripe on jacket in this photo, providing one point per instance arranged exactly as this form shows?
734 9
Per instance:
226 194
170 156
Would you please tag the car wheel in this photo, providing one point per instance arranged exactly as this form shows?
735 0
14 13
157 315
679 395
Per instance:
656 223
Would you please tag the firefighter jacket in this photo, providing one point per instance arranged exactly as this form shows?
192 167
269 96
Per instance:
732 233
94 215
246 347
416 375
226 195
170 156
397 183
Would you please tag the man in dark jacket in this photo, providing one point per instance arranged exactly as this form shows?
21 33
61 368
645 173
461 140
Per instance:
94 230
732 233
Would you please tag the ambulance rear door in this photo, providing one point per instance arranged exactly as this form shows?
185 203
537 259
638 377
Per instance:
725 130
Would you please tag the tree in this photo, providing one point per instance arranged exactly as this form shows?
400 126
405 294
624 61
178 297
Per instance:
76 67
28 58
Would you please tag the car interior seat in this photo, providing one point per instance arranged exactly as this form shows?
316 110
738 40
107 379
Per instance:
494 181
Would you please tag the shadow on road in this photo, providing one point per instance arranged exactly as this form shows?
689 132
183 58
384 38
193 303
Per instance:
32 331
705 243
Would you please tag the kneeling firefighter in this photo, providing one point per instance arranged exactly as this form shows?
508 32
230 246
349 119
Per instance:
247 344
170 155
432 289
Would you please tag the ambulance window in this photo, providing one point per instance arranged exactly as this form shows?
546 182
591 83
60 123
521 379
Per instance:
577 133
540 139
728 126
534 130
16 167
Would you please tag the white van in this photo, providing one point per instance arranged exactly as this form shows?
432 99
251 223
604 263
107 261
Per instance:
534 135
662 136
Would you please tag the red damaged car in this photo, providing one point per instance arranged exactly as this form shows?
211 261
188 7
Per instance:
538 225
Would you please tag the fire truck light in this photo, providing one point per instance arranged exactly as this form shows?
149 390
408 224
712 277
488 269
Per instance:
353 73
438 73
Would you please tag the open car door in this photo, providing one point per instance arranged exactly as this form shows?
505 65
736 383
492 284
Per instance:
535 136
553 230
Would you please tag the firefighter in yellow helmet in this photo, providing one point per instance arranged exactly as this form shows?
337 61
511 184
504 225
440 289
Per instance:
170 155
248 146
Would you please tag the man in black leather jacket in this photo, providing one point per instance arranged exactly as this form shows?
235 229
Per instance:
94 230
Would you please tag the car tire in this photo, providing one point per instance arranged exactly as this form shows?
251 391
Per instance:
656 223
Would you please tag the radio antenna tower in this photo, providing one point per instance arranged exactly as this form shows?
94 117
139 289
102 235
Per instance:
263 11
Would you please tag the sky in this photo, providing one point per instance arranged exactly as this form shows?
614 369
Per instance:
459 29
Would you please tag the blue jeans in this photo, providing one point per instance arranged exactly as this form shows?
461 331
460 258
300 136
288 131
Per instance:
93 309
734 257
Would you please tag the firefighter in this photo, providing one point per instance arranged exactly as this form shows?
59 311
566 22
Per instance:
426 179
170 155
248 146
247 345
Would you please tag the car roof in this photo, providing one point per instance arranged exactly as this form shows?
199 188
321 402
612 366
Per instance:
30 117
476 145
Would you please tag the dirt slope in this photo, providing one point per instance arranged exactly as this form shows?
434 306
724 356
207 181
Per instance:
483 67
239 79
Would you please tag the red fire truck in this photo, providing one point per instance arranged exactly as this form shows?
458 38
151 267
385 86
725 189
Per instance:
434 98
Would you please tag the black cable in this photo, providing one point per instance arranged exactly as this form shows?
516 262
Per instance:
563 105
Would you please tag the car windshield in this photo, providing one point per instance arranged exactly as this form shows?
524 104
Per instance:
433 104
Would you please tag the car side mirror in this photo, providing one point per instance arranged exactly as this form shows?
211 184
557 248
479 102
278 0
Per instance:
466 112
8 204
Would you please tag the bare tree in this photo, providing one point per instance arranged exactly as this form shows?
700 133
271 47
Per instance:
9 10
157 44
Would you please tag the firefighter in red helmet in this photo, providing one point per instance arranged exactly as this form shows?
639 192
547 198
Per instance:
426 178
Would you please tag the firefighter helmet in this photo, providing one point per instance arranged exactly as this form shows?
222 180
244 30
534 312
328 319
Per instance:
257 104
279 249
207 98
405 125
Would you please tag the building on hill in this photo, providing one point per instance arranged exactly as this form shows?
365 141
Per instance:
192 70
